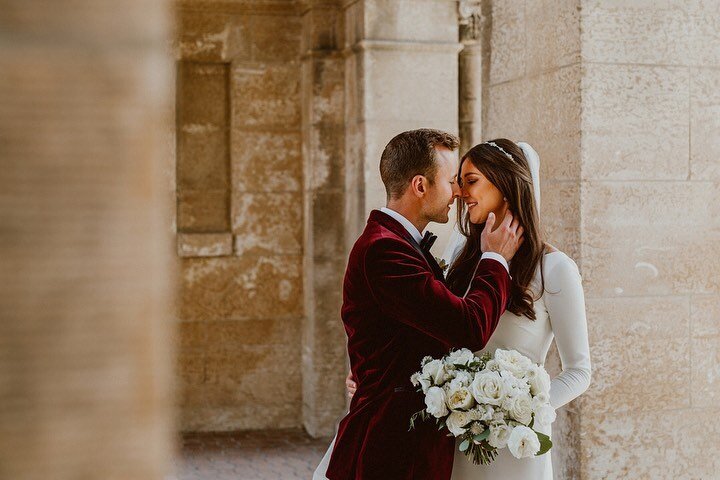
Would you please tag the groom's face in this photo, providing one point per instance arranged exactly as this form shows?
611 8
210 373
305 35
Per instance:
442 193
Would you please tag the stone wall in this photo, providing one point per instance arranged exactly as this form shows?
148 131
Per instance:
86 263
620 101
239 215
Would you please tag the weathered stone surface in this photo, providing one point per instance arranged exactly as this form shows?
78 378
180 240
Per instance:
705 124
266 161
639 341
240 288
204 244
266 95
267 223
328 232
626 110
552 29
641 444
409 20
201 211
508 53
560 216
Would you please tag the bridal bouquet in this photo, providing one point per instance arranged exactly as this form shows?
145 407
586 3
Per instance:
488 402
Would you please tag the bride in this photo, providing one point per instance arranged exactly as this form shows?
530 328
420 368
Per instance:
546 295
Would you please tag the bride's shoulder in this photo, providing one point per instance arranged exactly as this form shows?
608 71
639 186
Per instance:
558 267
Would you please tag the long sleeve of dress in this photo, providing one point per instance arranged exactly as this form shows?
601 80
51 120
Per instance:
565 303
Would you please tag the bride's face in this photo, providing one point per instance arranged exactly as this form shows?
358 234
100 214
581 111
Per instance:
480 196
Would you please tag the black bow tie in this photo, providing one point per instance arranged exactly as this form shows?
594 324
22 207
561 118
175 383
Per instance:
427 241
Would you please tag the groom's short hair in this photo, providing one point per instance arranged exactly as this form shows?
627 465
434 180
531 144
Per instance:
412 153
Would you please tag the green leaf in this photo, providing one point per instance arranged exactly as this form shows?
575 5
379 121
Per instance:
482 436
465 445
545 443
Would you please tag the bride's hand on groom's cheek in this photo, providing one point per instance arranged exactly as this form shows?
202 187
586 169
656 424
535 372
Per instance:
350 384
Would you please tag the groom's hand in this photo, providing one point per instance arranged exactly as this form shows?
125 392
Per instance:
505 239
351 385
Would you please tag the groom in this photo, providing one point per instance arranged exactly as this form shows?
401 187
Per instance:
397 309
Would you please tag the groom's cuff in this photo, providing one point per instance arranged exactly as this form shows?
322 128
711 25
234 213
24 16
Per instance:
498 257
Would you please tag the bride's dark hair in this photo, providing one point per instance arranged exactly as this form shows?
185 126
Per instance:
514 180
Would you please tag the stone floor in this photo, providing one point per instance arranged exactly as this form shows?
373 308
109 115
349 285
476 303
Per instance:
279 454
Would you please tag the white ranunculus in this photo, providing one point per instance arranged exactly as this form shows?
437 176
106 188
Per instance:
492 365
458 396
435 371
539 380
459 357
545 415
435 402
513 361
488 387
523 442
499 435
519 408
513 385
456 421
463 377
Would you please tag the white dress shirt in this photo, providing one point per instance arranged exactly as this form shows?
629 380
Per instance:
418 236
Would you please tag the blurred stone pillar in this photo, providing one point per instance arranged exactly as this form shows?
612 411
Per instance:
85 263
470 72
323 100
402 74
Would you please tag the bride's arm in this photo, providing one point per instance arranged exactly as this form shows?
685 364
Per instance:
565 303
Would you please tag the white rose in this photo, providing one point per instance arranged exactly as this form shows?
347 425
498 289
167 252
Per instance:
435 402
435 371
523 442
456 422
499 435
514 386
545 415
539 380
540 399
488 387
513 361
459 357
458 396
520 408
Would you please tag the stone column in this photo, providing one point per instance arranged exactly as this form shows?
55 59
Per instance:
85 248
402 74
470 73
323 341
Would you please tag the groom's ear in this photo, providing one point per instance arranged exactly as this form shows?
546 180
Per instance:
418 184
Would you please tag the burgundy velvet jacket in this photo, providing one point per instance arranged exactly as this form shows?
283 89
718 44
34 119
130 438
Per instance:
396 310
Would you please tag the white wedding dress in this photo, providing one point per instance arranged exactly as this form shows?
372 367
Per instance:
560 313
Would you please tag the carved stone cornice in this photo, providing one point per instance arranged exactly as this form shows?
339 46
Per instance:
470 20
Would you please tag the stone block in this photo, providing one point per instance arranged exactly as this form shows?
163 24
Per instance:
203 211
202 94
266 161
634 342
560 216
555 116
681 435
207 36
508 110
204 244
328 90
705 124
626 109
203 158
270 38
508 55
638 32
241 287
552 34
409 20
323 28
326 166
266 95
267 223
705 354
433 98
705 315
328 224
